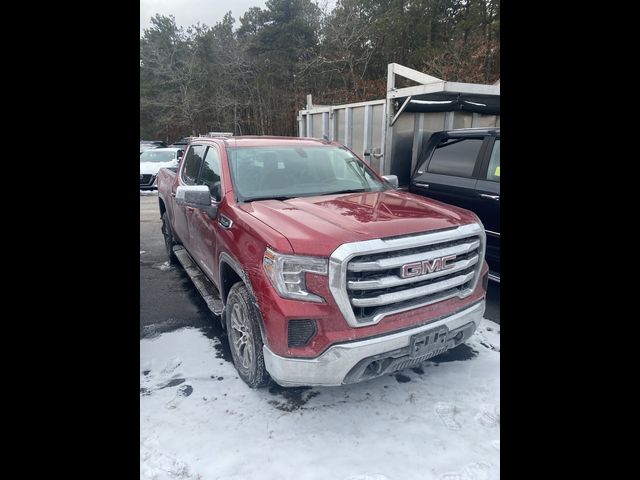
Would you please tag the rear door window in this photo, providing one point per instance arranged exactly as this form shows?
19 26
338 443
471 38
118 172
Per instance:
456 157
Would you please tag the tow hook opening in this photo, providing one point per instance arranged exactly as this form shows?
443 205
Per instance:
376 367
462 334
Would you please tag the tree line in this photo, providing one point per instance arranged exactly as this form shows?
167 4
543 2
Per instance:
253 77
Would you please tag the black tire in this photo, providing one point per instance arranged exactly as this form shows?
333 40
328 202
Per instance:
169 239
245 341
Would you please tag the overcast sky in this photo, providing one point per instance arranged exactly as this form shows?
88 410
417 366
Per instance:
189 12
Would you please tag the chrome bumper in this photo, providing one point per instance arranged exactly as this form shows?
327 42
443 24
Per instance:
334 365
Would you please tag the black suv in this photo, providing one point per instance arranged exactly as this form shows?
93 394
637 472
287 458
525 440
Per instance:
462 167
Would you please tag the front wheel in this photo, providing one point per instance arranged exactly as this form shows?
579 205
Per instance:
245 340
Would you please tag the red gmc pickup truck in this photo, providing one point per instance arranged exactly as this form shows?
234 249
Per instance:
321 271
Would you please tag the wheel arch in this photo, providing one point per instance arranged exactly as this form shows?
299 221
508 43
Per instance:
230 273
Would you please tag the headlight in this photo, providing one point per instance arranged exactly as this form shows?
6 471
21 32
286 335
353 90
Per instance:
287 274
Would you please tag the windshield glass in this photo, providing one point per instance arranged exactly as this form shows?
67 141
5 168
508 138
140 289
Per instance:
154 155
286 172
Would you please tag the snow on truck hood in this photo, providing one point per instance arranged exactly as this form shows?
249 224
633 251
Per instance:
318 225
153 167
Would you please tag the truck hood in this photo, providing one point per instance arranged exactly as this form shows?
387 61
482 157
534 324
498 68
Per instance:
318 225
152 168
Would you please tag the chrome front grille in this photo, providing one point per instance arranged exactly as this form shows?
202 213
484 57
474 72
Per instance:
367 282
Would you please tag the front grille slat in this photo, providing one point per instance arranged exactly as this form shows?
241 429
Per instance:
412 293
391 281
398 261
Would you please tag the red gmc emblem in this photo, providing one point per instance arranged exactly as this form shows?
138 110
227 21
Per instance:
427 266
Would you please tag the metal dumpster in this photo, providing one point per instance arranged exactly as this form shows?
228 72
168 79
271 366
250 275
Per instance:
389 133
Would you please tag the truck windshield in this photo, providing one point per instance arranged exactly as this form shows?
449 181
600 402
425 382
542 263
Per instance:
157 156
261 173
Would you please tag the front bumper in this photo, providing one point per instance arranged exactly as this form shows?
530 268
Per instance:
351 362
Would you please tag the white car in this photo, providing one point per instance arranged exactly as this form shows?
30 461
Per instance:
152 160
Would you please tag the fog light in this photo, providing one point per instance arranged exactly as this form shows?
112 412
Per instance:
300 332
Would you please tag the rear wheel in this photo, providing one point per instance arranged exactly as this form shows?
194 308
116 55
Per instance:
245 340
169 239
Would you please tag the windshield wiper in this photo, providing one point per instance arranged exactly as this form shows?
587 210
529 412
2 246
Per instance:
353 190
269 197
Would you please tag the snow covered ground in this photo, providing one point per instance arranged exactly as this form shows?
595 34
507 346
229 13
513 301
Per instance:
198 420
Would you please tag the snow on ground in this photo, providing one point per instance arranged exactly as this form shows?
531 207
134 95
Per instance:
198 420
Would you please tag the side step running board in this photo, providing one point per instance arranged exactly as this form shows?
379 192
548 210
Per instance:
207 289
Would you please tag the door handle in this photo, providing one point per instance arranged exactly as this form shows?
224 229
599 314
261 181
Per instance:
373 152
422 185
225 222
492 197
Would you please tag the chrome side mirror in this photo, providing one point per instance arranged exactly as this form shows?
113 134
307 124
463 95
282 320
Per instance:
196 196
392 180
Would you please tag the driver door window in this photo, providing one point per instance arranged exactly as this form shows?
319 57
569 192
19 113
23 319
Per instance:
192 164
210 172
